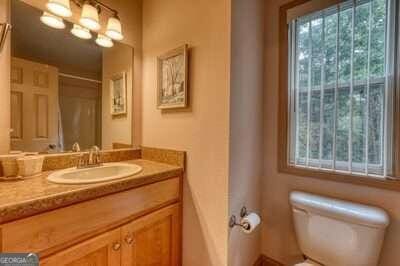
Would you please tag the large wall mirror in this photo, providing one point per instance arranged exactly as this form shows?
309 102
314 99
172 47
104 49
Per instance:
66 90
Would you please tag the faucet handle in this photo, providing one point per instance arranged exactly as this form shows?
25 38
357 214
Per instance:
95 148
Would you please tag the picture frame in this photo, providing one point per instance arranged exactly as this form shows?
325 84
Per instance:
118 101
172 79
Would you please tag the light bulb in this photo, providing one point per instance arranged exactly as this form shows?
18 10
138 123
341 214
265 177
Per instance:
104 41
52 20
114 29
59 7
90 17
81 32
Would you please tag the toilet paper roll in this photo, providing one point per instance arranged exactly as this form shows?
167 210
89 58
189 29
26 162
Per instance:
250 222
305 264
308 263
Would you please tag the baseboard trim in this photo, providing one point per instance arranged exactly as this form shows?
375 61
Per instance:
266 261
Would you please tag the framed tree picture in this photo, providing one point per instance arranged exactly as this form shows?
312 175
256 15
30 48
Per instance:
172 72
118 94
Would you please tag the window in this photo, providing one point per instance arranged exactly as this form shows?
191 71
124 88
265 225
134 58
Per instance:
341 83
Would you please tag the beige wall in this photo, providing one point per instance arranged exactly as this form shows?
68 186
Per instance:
278 238
5 61
246 120
203 129
116 128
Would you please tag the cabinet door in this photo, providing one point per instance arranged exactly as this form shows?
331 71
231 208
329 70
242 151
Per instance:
153 240
102 250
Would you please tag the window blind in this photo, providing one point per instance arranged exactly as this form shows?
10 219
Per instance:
340 87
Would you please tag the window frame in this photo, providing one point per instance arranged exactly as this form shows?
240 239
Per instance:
284 165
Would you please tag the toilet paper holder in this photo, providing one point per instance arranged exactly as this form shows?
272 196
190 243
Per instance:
233 222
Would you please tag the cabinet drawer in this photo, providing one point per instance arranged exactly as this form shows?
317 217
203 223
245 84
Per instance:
47 232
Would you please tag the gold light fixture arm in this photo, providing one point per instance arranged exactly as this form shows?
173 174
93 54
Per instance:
97 4
5 28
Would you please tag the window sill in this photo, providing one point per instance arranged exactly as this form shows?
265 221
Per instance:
369 181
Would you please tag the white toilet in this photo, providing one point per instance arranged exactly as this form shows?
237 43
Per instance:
335 232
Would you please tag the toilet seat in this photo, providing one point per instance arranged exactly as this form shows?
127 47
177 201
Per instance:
308 262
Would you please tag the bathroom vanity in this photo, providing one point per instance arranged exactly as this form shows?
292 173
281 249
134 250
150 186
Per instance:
130 221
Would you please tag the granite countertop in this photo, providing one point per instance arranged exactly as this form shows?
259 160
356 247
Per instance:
23 198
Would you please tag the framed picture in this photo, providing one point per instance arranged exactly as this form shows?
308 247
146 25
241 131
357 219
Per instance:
118 94
172 71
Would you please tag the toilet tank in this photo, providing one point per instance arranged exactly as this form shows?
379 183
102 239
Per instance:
335 232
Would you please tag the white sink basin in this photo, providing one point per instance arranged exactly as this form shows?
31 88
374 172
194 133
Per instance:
106 172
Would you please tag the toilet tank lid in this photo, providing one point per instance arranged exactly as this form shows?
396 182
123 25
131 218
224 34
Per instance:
340 209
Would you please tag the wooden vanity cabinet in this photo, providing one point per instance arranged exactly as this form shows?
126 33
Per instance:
150 240
135 227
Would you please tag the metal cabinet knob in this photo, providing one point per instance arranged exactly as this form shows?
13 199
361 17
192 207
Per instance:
116 246
129 239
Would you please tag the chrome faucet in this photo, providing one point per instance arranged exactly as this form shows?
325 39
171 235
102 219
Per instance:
94 156
93 160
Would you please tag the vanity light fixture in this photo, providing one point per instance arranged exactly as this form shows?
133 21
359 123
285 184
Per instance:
81 32
52 20
104 41
90 17
114 29
89 20
59 7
